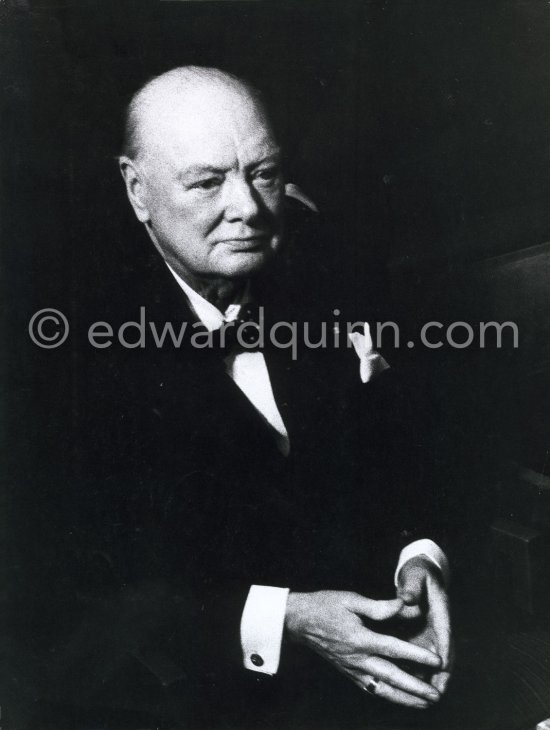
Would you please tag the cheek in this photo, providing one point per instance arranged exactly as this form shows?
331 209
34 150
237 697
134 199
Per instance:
200 216
274 203
182 208
185 229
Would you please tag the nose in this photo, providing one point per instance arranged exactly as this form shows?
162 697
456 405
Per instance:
241 202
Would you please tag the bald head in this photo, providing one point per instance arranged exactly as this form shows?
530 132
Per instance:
202 172
188 90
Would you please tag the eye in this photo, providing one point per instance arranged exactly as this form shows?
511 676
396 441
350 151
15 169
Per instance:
210 183
267 174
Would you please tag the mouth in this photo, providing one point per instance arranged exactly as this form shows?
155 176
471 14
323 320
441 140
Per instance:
247 243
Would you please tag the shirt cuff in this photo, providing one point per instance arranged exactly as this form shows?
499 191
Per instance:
431 550
262 625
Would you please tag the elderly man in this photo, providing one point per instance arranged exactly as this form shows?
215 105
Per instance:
244 506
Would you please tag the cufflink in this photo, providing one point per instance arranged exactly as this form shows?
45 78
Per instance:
256 660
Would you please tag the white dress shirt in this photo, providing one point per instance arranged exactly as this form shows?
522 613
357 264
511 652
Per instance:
247 369
263 617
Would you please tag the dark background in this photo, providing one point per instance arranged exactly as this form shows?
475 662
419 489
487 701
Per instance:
427 121
421 129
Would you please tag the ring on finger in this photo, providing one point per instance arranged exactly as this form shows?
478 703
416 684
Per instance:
371 686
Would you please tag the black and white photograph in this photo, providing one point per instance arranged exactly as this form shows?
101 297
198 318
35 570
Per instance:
275 375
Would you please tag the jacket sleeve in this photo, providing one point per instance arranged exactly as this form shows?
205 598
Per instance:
108 620
127 592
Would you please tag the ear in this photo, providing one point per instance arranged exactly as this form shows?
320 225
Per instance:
135 188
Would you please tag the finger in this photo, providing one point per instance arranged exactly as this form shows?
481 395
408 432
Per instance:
375 610
399 679
397 696
393 648
410 612
439 609
410 584
440 680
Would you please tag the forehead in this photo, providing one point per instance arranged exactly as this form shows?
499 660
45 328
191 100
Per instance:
206 126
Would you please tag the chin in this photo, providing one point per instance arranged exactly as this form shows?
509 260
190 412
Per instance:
245 264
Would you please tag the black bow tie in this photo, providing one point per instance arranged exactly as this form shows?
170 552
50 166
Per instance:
243 332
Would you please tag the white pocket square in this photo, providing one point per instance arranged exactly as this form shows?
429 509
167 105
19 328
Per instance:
371 363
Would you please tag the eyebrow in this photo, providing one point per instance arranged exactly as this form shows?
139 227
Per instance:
274 156
198 170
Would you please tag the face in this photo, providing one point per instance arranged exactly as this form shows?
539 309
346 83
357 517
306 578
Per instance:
212 186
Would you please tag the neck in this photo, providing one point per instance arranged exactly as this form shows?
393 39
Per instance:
218 291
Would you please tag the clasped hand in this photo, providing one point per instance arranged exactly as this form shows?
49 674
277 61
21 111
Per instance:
331 624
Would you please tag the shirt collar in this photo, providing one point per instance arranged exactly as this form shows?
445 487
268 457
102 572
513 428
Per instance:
211 317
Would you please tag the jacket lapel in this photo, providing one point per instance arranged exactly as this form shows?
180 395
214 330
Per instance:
217 401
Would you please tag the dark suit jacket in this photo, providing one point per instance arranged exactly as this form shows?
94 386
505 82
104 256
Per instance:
172 499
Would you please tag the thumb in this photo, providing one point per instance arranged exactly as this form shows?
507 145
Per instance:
410 585
375 610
